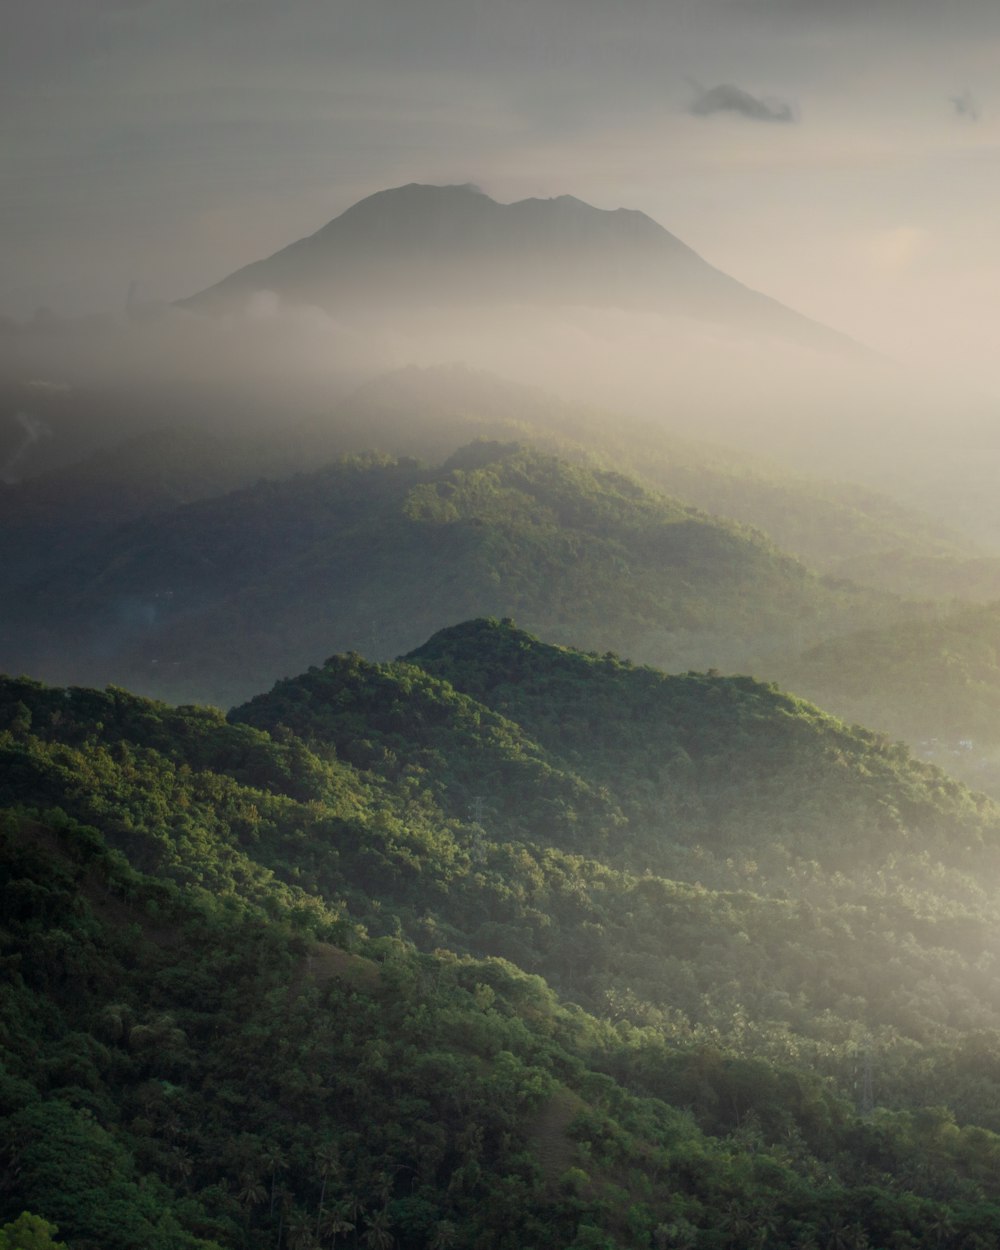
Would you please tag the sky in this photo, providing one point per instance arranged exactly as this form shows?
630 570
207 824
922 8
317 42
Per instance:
841 156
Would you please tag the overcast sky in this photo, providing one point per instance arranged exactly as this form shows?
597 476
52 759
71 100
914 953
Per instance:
839 155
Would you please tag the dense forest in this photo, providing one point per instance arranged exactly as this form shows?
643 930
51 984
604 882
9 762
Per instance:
499 944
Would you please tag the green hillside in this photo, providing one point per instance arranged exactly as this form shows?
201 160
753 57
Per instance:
426 953
216 599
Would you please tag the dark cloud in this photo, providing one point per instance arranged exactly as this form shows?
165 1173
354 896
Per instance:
966 106
729 99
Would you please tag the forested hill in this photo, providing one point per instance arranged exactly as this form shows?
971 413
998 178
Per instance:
500 945
673 766
214 600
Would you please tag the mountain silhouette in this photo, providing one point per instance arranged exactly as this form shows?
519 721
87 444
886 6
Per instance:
454 246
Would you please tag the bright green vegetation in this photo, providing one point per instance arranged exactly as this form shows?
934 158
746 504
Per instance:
500 945
29 1232
216 599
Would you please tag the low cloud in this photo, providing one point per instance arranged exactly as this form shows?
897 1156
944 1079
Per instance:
726 98
45 387
31 431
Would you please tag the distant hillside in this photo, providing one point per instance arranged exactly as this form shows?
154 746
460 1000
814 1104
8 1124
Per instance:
213 599
935 684
725 764
834 527
52 518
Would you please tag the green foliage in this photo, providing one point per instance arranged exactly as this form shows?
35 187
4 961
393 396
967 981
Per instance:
30 1232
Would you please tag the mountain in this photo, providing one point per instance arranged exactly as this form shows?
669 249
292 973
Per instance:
394 950
214 599
672 762
419 245
59 527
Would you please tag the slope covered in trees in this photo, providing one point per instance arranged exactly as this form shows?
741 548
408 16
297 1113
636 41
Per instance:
314 966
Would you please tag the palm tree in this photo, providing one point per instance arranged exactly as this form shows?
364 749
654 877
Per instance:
837 1235
445 1235
285 1205
336 1222
327 1165
943 1227
353 1209
273 1160
738 1224
171 1126
378 1236
251 1191
181 1163
300 1231
384 1182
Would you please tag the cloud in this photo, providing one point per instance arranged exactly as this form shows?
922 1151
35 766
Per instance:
966 106
45 387
32 431
726 98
